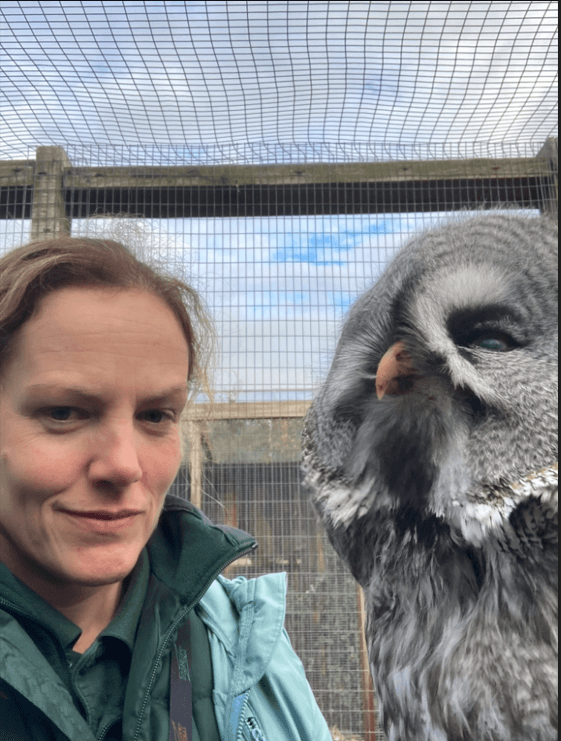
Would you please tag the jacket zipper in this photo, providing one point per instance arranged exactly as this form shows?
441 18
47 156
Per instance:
15 608
240 733
107 727
255 731
171 630
250 724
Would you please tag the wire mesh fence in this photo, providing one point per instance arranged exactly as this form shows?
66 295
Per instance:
239 71
278 286
276 155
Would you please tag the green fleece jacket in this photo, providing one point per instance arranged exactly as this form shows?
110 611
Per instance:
260 690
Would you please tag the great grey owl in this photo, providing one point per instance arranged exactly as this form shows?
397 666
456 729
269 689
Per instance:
431 455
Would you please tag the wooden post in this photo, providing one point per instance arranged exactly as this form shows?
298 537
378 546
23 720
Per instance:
48 216
368 705
194 437
550 197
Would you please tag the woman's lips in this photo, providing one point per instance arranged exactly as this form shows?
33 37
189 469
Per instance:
104 514
103 521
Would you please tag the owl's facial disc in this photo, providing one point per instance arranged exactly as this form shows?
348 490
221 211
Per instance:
444 379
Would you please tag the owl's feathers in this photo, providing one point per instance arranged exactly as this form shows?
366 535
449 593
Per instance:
430 452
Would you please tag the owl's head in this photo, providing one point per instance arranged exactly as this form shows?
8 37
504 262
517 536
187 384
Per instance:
444 382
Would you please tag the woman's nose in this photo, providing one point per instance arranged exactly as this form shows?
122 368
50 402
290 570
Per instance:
116 459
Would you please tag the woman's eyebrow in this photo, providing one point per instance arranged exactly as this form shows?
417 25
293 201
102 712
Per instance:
83 394
174 392
77 392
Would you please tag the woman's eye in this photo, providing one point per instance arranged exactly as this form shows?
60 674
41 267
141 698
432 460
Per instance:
496 342
62 418
155 416
61 414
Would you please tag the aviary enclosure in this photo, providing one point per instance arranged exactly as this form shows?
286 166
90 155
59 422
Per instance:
277 155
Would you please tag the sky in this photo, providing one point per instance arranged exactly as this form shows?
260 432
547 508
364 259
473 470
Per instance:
233 74
157 83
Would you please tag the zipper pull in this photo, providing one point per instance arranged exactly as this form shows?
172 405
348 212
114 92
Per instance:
256 734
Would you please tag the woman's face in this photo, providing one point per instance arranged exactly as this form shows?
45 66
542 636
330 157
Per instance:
90 402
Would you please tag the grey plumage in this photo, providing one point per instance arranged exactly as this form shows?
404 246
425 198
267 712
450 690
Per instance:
442 495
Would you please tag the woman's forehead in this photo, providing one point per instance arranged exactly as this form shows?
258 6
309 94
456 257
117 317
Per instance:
79 311
96 331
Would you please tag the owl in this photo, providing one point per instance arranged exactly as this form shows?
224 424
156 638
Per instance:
430 452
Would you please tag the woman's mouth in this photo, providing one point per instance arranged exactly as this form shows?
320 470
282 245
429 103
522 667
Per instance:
103 521
103 514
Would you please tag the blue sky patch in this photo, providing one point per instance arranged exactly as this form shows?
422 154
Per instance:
320 248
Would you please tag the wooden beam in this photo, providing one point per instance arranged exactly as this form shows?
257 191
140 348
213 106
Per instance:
267 190
49 208
252 410
16 188
238 176
282 190
15 173
195 462
22 172
550 152
368 702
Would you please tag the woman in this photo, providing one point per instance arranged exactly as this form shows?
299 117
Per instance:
114 623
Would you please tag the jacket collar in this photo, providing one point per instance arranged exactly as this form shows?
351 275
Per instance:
247 616
187 551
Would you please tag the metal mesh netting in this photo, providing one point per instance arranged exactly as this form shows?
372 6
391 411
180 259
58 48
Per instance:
192 74
277 155
278 287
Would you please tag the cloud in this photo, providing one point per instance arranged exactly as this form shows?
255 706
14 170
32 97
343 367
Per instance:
166 73
325 248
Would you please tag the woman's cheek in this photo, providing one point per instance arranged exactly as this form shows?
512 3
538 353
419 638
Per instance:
50 466
162 464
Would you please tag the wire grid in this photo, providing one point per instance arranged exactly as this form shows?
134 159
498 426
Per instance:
240 83
278 288
197 74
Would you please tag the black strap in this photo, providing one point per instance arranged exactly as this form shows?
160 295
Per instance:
181 694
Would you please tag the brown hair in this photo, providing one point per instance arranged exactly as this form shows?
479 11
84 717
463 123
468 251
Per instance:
29 273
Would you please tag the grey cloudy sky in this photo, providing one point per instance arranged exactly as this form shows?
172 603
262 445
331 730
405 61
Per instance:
206 73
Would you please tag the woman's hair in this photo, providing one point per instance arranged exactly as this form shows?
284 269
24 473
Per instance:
29 273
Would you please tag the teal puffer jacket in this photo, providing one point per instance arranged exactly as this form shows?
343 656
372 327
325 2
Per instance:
260 690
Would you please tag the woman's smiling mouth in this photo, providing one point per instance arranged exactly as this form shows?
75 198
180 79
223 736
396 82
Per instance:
103 521
104 514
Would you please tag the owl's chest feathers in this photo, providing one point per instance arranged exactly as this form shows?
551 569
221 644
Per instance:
447 624
422 574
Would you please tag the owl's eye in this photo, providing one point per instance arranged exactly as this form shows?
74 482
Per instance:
493 341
